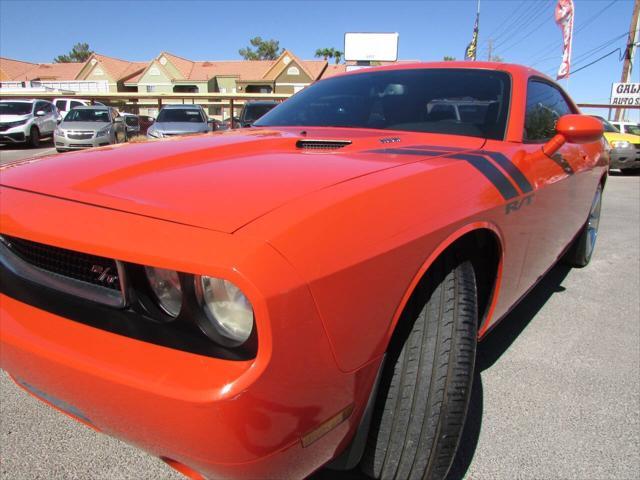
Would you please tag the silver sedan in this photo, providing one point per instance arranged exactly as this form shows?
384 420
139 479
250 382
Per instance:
90 126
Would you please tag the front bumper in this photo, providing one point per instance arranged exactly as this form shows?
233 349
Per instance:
221 418
66 143
625 157
15 134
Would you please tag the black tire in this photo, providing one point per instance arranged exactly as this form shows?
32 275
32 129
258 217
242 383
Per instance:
580 253
34 137
60 150
425 387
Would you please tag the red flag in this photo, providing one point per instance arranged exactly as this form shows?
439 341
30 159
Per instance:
564 19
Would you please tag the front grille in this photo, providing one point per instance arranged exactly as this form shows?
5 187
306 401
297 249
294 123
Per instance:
80 135
83 267
4 127
322 144
81 145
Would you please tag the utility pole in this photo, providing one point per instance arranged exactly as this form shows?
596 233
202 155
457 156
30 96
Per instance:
490 45
630 50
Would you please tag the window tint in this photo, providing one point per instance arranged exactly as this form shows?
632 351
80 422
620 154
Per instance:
39 106
545 105
469 102
61 105
75 104
181 115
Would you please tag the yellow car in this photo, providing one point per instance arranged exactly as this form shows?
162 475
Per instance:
625 148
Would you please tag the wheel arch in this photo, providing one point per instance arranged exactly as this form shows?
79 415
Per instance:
481 243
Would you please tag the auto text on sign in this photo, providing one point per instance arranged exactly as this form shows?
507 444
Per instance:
626 94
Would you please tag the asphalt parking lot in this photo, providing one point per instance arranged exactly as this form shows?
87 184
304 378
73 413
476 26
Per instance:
556 394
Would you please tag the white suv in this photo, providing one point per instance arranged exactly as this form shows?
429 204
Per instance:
65 104
27 121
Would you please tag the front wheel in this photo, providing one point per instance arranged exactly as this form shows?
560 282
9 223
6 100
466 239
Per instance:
34 137
425 386
579 254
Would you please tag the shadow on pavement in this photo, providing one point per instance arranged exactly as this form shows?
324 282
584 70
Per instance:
489 351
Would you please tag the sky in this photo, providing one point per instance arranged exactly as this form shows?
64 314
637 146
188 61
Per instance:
523 31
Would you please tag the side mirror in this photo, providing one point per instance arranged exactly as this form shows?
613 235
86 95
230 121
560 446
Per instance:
574 129
40 113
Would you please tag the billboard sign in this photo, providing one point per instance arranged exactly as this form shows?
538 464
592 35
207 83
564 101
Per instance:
371 47
625 94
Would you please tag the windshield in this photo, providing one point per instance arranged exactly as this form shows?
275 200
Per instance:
180 115
254 112
87 115
453 101
608 127
632 129
15 108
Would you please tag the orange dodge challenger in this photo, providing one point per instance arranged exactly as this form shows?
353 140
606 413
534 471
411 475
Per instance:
256 304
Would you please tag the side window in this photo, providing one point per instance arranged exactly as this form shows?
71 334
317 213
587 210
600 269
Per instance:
545 105
75 104
39 106
61 105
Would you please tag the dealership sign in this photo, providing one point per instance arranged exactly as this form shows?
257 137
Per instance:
625 94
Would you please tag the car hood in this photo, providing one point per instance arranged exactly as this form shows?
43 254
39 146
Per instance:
621 137
83 125
180 127
13 118
220 181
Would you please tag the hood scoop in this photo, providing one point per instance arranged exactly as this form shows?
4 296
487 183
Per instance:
313 144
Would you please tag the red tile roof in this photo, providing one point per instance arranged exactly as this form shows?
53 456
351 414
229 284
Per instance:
14 69
118 69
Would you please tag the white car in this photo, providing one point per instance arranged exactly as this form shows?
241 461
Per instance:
629 128
65 104
27 121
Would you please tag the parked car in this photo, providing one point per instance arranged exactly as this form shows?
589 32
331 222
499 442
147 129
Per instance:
252 111
256 304
132 123
27 121
624 147
180 120
145 122
627 127
226 124
65 104
93 126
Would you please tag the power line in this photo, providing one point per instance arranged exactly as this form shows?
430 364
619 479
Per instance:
532 9
527 22
596 61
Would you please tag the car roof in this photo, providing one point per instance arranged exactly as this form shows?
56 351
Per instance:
180 106
92 107
463 65
22 100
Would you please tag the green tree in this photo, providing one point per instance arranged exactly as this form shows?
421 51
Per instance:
337 55
447 58
78 54
261 49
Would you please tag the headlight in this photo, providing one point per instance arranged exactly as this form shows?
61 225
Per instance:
154 133
59 132
103 132
16 124
165 285
229 314
620 144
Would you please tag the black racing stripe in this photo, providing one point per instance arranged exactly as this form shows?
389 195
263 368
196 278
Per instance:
509 167
436 147
409 151
562 162
491 172
482 164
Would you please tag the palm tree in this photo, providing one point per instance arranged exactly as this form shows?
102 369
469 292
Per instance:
325 53
337 55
